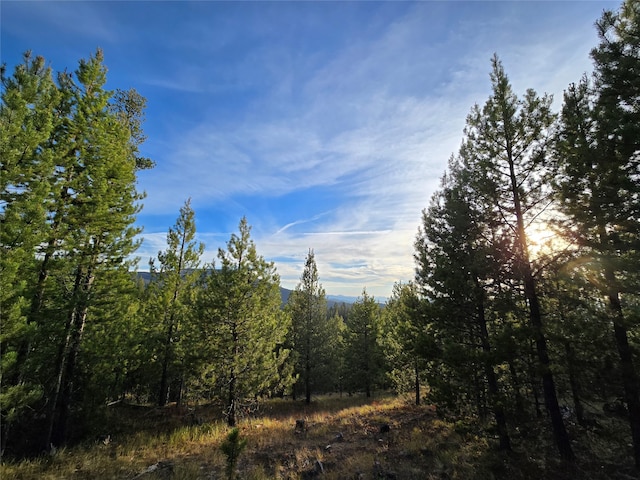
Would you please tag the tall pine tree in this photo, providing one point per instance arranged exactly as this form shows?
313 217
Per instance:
458 252
506 145
171 298
599 182
27 121
240 314
310 330
71 179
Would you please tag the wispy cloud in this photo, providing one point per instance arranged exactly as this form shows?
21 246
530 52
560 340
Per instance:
366 128
328 125
299 222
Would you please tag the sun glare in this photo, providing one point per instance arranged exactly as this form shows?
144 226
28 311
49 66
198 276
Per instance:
543 240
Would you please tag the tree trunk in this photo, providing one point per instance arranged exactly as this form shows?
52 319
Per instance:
67 359
629 375
232 400
34 310
307 382
25 344
535 392
367 379
307 365
164 379
478 389
492 381
60 433
560 434
573 383
180 391
416 372
60 375
231 412
548 385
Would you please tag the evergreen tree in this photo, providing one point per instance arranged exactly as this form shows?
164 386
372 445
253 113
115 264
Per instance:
579 328
335 347
404 326
27 120
506 145
171 296
459 257
364 357
310 334
100 171
240 314
76 158
599 183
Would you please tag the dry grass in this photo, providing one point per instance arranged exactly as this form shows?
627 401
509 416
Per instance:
342 440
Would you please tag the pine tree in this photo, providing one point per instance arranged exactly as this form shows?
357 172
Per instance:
240 314
100 204
171 295
404 326
364 357
506 145
70 202
27 120
311 333
459 257
599 182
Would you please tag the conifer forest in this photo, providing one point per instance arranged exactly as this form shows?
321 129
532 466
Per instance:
522 320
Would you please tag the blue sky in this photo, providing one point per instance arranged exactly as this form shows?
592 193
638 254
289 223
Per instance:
326 124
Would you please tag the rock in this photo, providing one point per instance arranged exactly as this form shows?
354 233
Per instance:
339 437
161 469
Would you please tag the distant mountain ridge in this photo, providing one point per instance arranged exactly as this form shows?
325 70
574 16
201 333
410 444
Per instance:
284 293
331 299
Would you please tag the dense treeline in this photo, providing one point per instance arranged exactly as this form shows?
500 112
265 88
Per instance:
517 330
498 325
69 159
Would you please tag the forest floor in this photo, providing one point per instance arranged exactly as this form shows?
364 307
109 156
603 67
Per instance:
335 438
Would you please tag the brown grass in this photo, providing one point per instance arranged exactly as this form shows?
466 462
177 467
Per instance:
342 440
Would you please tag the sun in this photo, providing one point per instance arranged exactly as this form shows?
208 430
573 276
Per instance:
543 240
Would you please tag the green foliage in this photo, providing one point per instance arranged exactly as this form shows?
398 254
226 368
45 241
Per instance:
599 186
240 315
232 447
27 120
404 322
69 202
506 322
364 357
507 146
490 324
314 336
171 302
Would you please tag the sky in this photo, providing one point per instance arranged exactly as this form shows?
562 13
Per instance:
328 125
